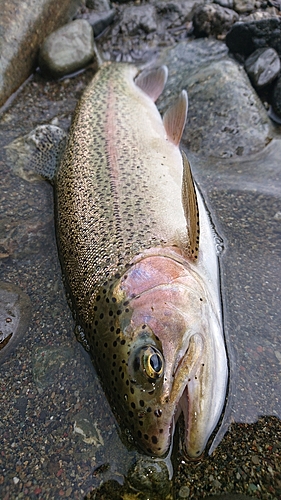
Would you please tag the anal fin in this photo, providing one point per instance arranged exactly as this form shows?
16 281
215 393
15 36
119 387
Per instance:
191 211
175 117
153 81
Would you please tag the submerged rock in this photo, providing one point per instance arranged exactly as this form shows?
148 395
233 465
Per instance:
68 49
263 66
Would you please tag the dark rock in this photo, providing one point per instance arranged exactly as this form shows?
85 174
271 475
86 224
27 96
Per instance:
98 20
68 49
98 5
212 19
244 38
276 98
141 18
262 66
23 27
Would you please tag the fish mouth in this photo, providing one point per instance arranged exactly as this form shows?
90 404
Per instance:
186 380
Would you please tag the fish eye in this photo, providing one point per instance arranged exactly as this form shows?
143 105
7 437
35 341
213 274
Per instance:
152 362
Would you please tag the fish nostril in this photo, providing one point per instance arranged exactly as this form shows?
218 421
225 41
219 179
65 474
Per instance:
158 412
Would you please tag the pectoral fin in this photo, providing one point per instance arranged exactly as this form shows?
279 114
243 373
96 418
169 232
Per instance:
175 117
153 81
191 211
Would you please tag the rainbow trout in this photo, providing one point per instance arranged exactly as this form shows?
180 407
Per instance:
139 259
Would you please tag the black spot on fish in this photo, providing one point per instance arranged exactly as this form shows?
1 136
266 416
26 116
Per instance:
154 439
149 410
145 436
139 434
141 402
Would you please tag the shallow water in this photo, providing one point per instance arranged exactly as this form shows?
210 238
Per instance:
60 438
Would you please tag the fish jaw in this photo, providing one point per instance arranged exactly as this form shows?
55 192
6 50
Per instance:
168 313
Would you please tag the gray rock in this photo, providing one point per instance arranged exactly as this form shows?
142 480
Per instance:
98 20
23 27
276 98
225 3
244 38
262 66
98 5
141 18
68 49
15 314
242 6
225 115
173 13
212 19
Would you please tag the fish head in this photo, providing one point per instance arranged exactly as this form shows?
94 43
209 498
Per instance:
154 351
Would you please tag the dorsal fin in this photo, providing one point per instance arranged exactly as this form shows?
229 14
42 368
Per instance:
191 211
152 81
175 117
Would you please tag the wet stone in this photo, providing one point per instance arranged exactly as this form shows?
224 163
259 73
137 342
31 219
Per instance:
228 126
213 19
141 18
68 49
244 38
263 67
15 313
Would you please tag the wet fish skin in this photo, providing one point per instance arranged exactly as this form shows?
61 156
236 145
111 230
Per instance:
149 308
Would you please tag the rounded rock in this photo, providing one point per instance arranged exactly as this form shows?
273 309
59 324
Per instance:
212 19
263 66
67 49
244 38
139 18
